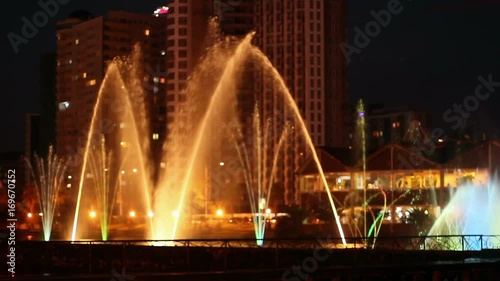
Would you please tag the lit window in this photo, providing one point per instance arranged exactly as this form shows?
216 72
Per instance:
77 41
91 82
162 80
162 165
156 79
156 136
84 75
64 105
146 32
163 53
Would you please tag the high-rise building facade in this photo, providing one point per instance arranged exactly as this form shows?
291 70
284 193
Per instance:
301 39
187 32
86 45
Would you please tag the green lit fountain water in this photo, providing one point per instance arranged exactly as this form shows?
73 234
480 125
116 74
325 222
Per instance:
259 178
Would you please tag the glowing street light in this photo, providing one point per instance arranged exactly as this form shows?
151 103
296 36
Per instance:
150 214
70 177
132 213
221 164
134 170
220 213
92 214
268 211
123 172
175 213
29 215
40 214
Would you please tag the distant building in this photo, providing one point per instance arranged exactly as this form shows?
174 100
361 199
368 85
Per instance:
397 178
396 125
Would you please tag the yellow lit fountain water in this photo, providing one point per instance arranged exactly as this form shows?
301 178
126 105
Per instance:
118 120
167 216
211 100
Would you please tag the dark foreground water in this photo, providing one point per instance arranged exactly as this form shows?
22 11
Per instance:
223 260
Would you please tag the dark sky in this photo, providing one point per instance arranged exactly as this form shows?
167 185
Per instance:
430 55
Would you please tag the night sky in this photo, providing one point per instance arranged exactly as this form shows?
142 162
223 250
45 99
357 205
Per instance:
430 55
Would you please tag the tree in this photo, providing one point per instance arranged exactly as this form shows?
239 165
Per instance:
422 219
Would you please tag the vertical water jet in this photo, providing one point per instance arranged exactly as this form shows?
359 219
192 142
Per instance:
48 176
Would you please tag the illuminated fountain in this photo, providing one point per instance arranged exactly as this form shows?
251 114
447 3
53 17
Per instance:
119 122
222 68
105 194
211 101
259 178
48 176
473 210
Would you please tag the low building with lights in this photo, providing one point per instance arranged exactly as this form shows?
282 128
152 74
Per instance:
396 179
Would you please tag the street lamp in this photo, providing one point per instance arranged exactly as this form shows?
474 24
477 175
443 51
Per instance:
132 214
219 213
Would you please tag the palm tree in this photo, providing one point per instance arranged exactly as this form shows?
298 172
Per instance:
422 219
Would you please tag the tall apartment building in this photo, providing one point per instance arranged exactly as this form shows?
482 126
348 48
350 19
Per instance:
301 39
86 45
